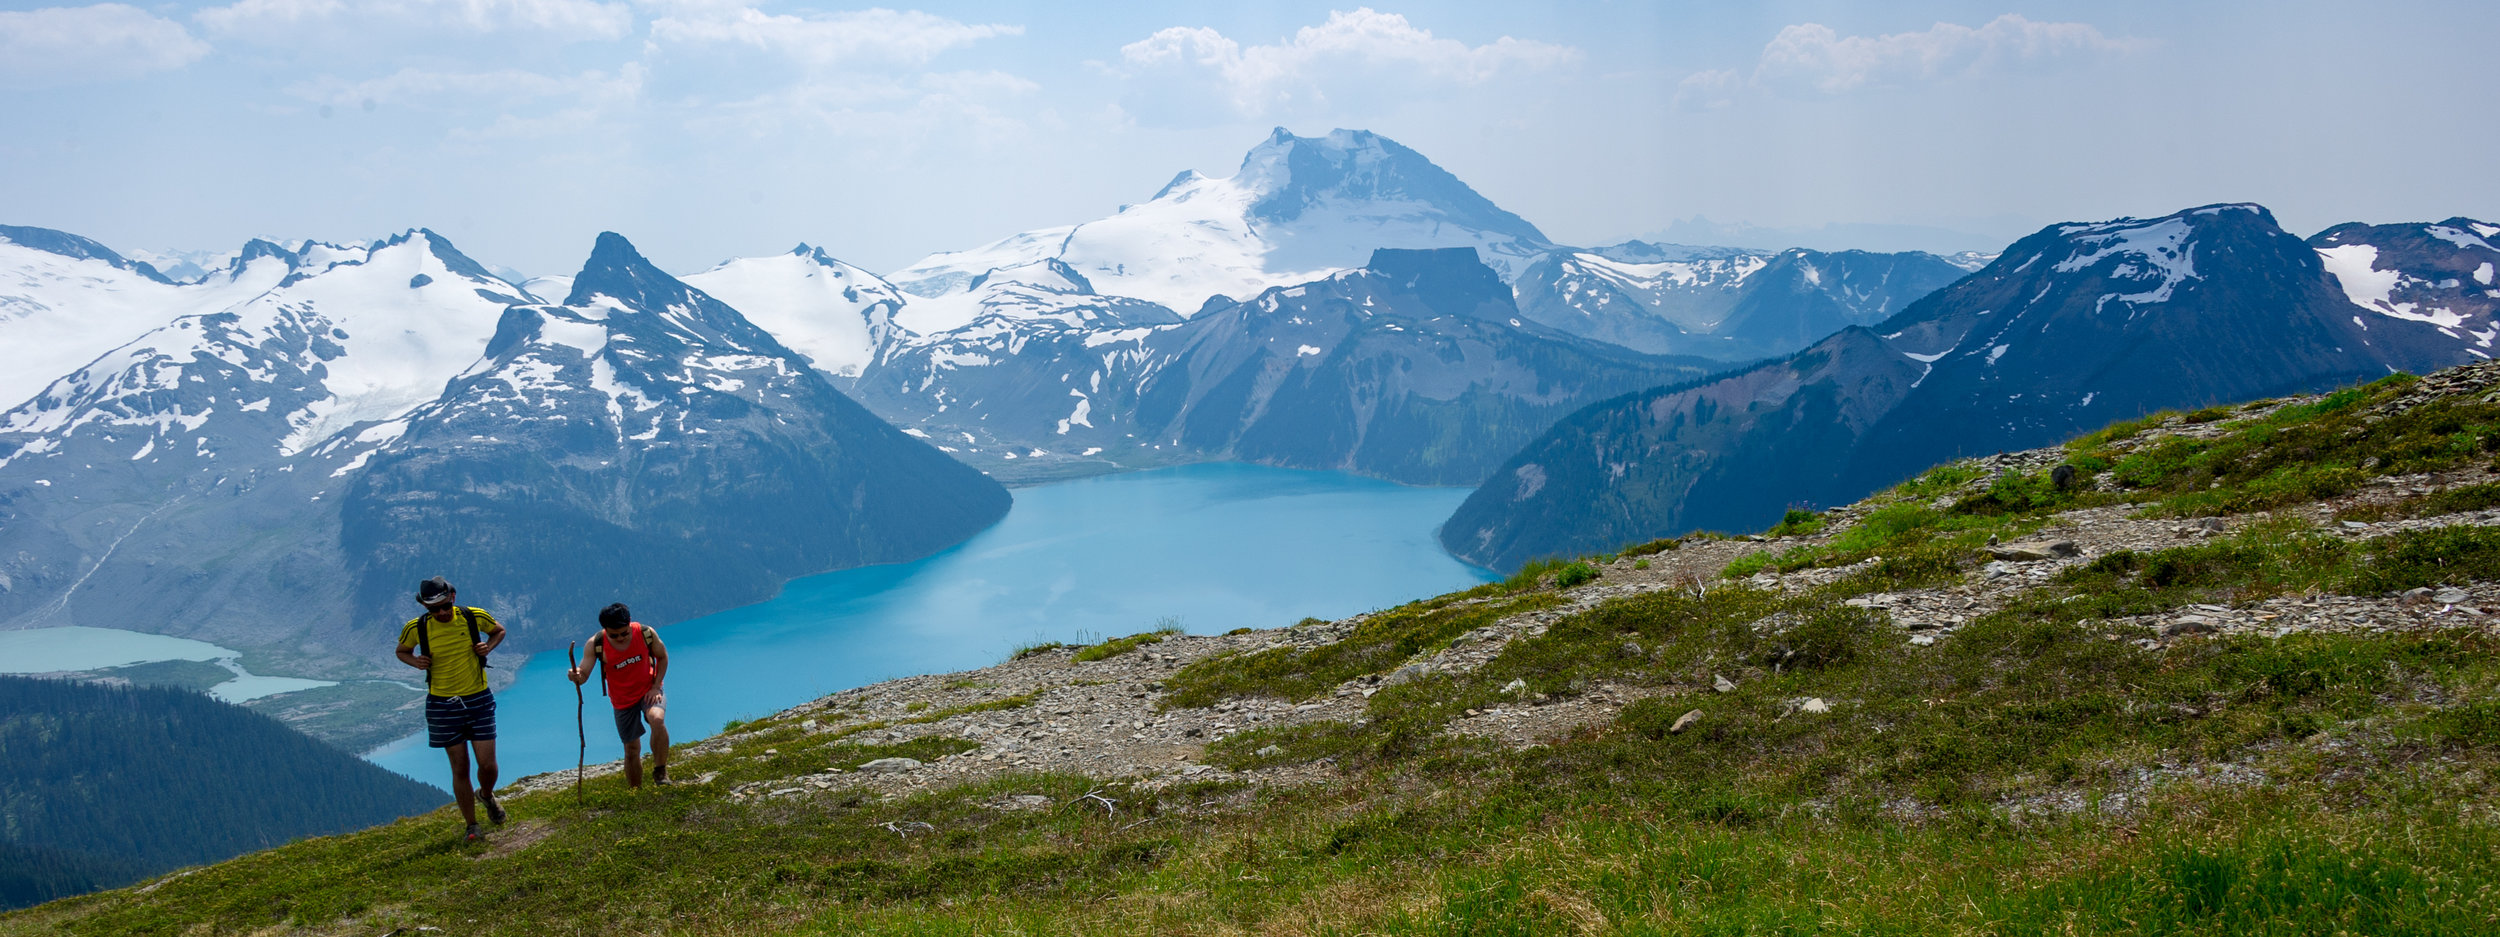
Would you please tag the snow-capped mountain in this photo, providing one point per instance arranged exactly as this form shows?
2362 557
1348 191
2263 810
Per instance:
834 313
65 299
388 404
351 335
1033 377
1298 209
644 436
135 488
2070 329
1415 367
2435 281
1722 303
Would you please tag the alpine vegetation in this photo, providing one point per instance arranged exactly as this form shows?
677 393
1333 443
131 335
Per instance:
2162 677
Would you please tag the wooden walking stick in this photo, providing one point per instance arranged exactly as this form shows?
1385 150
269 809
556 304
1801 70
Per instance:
578 732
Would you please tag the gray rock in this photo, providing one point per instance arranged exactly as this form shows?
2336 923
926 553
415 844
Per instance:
1722 684
2032 551
1813 704
2188 624
1922 640
2355 525
1514 687
2450 596
1410 672
892 765
1684 722
1268 752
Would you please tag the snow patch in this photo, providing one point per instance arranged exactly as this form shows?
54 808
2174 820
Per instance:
1304 351
2456 237
2354 267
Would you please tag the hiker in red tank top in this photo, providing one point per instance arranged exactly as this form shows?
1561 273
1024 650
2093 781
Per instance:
633 664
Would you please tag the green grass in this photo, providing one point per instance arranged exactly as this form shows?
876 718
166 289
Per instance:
1380 644
1036 649
2036 771
2455 500
1118 646
1921 804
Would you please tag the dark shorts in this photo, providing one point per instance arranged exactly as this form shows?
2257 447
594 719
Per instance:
629 719
451 720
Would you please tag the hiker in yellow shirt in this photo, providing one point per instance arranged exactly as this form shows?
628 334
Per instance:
450 644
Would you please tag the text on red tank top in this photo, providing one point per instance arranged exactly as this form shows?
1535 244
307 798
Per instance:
629 669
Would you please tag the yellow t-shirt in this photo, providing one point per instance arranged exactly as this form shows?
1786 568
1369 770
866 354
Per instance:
457 671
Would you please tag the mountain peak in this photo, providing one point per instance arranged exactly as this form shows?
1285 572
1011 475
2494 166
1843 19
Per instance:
1287 175
73 246
616 270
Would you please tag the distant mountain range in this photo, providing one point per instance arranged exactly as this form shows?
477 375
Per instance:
298 426
380 413
1020 356
2070 329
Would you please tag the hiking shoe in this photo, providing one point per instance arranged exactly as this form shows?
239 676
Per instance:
474 836
659 775
494 811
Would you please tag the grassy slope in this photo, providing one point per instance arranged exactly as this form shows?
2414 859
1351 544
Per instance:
2036 771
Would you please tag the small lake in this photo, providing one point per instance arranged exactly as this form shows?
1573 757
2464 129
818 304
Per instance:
52 650
1207 547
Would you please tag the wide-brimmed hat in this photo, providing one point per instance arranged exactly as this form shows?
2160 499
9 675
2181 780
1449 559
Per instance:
435 591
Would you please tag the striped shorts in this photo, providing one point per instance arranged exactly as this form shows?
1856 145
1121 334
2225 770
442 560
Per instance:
451 720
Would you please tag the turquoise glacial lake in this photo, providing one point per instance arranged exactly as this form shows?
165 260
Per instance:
1207 547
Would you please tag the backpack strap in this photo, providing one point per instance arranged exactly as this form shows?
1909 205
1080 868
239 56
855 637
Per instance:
470 615
425 634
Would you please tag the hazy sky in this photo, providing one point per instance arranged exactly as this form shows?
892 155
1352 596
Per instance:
707 129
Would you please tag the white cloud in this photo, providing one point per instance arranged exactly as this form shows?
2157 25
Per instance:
1710 89
1351 55
410 85
67 45
280 20
1811 56
858 39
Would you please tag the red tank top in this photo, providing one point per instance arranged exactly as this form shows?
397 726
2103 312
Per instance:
627 670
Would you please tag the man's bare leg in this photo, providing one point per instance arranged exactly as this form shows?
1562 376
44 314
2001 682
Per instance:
633 763
487 773
460 789
658 718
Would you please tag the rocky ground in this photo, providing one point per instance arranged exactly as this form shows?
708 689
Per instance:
1101 718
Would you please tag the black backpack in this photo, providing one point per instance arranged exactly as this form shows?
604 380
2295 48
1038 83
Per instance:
425 633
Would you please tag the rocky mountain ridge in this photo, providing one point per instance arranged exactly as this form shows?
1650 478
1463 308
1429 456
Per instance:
2070 328
1114 717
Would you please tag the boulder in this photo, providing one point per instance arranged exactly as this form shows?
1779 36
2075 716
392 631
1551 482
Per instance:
2032 551
1684 722
2188 624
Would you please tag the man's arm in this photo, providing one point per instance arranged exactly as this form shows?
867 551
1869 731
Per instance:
494 636
408 647
590 660
659 659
